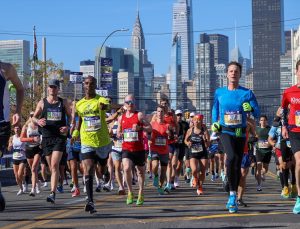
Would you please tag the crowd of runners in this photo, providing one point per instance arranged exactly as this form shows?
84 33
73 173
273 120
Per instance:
116 146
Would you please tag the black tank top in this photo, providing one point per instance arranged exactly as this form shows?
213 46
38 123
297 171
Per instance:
55 116
197 141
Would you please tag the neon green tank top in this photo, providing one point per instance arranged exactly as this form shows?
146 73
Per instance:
93 130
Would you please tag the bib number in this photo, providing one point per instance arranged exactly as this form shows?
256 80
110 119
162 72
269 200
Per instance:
17 154
130 135
232 118
197 148
264 144
160 141
92 123
53 114
297 118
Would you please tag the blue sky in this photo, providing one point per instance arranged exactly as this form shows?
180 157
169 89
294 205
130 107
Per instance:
75 28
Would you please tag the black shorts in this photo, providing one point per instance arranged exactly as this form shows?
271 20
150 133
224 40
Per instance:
4 136
138 157
30 152
200 155
187 154
180 151
18 162
286 152
295 141
263 157
53 144
92 155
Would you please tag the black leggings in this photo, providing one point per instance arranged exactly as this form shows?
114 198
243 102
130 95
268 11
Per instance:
234 148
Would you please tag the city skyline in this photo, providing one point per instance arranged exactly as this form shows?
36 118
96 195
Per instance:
77 30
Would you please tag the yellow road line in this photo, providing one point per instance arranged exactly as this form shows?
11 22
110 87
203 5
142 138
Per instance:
97 221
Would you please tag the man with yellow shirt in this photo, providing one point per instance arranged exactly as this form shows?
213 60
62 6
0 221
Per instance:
95 140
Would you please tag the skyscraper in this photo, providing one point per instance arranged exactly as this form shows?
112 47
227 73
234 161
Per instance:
220 43
183 26
16 52
268 45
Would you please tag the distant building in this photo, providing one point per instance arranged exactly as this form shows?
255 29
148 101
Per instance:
87 67
249 79
183 27
17 52
221 75
125 85
220 43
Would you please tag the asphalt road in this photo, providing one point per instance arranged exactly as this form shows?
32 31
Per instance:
180 209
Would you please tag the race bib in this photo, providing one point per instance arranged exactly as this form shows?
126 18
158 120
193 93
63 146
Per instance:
297 118
232 118
197 148
17 153
263 144
130 135
92 123
53 114
160 141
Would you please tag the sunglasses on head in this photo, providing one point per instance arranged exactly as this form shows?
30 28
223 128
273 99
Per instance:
129 102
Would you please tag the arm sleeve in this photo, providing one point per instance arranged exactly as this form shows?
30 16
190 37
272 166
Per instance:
254 105
24 138
272 132
284 105
215 109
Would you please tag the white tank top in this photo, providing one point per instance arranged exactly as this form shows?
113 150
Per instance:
32 133
18 148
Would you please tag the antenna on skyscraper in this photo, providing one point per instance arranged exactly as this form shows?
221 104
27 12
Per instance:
137 6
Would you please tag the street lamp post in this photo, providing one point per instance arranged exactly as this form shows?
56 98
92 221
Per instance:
99 57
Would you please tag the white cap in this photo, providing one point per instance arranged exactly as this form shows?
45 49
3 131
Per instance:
178 112
192 114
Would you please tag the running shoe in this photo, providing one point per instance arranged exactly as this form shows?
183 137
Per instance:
241 203
140 200
71 184
217 176
106 187
160 191
222 175
213 178
51 198
76 192
155 181
200 191
73 189
45 185
32 193
296 209
20 192
60 189
232 204
84 189
98 188
25 188
194 183
121 192
112 185
294 192
90 207
38 187
258 188
191 181
172 186
167 188
129 198
285 192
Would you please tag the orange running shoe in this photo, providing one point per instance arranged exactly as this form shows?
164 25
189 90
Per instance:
200 191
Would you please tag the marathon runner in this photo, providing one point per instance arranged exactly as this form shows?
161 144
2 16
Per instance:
8 73
229 118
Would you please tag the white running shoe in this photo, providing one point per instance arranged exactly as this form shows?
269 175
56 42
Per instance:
45 185
84 189
73 189
20 192
25 188
176 182
112 185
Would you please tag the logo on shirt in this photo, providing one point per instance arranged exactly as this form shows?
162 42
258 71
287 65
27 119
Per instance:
295 100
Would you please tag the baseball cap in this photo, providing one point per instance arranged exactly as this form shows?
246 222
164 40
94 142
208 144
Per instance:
178 112
192 114
53 82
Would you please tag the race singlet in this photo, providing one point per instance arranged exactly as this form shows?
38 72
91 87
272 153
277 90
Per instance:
92 123
130 135
160 141
54 114
232 118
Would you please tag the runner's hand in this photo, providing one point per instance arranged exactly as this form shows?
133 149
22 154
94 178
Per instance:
16 119
215 127
41 122
284 132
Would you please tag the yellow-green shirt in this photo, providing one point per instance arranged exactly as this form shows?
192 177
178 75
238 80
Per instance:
93 130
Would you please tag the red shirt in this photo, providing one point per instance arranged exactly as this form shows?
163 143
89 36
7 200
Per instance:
133 140
291 96
159 138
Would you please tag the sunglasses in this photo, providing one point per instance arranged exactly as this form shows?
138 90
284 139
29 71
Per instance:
179 115
129 102
52 86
